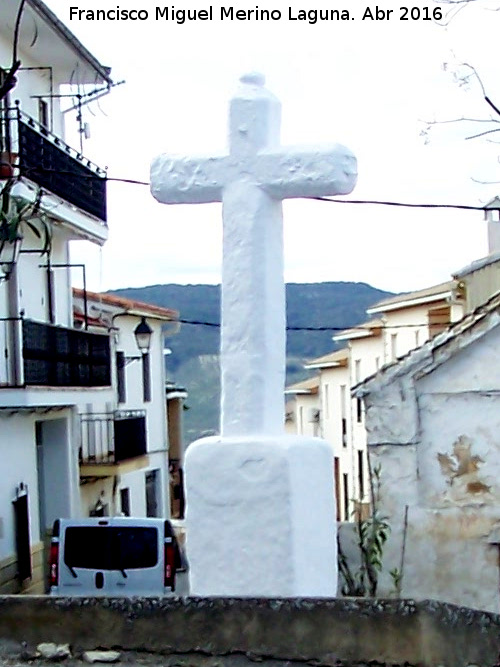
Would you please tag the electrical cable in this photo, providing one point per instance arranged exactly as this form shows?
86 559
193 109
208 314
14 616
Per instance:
365 329
16 32
369 202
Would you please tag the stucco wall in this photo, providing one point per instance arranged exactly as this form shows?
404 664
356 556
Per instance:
321 631
435 436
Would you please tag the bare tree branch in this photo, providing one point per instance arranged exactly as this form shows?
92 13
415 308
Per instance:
476 180
482 134
459 120
451 13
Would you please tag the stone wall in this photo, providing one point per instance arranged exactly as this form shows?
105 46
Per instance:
9 583
325 632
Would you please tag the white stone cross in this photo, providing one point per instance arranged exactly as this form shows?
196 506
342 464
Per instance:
260 516
251 182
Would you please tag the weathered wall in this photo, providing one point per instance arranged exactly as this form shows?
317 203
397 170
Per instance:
448 556
324 631
435 436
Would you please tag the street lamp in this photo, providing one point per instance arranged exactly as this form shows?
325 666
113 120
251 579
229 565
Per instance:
143 333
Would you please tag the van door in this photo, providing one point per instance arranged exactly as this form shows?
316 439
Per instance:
111 558
137 561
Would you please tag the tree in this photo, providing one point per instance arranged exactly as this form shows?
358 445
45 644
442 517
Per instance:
482 121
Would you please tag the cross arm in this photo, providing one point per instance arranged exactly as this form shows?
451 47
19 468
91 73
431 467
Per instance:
187 180
313 172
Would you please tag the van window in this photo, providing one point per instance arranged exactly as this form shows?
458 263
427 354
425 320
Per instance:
111 548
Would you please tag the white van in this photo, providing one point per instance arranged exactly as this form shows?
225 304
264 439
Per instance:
113 556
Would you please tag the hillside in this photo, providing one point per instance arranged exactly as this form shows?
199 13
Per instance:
194 360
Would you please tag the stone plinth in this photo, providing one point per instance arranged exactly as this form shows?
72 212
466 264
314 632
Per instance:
261 517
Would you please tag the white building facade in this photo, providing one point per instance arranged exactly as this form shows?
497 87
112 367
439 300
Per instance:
397 325
124 449
48 370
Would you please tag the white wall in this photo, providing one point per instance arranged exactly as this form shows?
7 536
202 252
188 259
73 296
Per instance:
155 409
18 465
305 407
156 418
444 466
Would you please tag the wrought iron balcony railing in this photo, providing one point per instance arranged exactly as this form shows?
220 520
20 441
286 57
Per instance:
46 160
55 356
112 437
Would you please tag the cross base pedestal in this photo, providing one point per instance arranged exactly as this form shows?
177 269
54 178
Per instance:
261 517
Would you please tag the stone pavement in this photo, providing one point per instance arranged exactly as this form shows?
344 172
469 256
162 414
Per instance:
15 654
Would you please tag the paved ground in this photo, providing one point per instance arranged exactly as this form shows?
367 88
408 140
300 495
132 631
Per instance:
14 654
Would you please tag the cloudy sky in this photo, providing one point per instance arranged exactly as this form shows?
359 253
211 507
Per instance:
371 85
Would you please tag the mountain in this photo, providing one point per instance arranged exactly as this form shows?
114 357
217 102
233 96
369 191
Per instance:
194 361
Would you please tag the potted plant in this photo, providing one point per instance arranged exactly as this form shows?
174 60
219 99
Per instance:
8 162
15 212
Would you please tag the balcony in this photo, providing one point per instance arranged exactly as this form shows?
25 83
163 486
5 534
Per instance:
55 356
112 443
45 159
45 355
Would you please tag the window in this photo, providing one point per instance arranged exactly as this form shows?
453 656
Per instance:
343 414
337 485
357 371
120 377
43 113
110 547
346 496
327 401
359 410
125 501
417 338
361 475
301 420
394 350
316 420
152 482
377 363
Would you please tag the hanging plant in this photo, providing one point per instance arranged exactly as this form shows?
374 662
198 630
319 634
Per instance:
16 212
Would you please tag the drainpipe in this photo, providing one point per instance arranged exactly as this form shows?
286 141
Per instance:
50 292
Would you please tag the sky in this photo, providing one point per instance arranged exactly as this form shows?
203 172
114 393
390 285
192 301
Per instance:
374 86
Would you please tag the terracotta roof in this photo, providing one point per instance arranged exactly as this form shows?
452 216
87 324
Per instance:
79 316
310 386
128 305
393 302
333 359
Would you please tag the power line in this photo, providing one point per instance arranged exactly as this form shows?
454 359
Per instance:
370 202
365 329
463 207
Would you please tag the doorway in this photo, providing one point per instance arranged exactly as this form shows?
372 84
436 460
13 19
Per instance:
53 474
